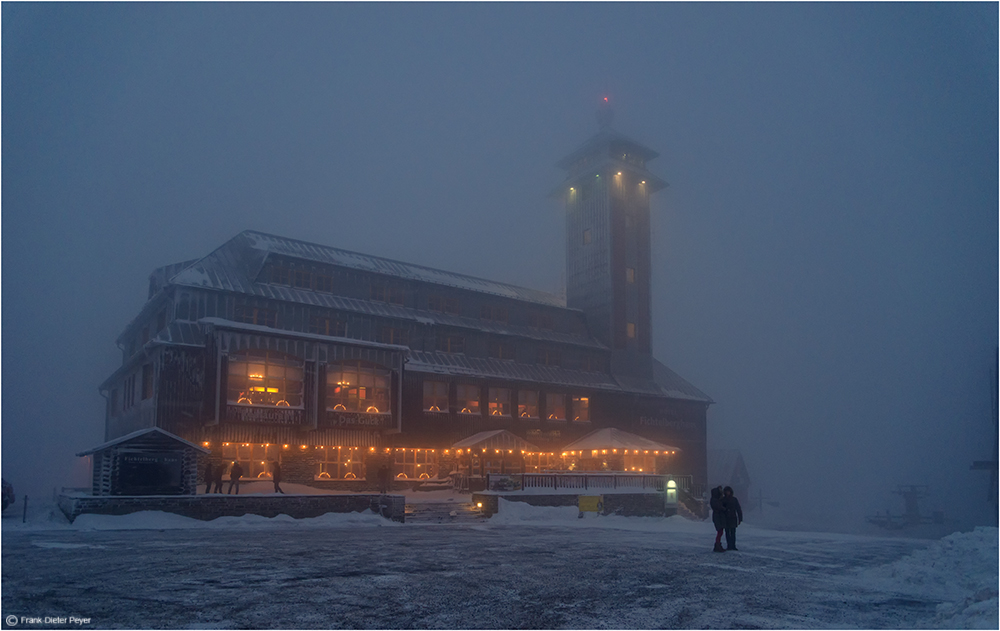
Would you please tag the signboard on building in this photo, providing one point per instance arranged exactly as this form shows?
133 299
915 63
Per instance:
150 473
356 419
264 414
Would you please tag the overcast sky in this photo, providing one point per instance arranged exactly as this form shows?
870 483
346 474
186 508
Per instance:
824 261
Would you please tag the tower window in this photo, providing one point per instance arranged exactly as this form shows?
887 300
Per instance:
581 409
630 330
586 236
630 274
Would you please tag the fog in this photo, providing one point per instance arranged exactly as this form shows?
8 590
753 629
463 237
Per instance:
824 260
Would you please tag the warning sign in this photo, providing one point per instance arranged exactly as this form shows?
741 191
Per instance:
591 503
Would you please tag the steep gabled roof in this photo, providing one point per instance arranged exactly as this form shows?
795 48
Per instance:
153 431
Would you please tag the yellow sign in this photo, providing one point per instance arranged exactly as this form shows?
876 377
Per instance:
591 503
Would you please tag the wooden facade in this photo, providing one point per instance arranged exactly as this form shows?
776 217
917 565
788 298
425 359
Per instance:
269 342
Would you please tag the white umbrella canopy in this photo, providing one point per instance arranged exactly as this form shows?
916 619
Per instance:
612 438
495 439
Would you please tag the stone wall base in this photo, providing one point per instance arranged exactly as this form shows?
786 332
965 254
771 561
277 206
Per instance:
208 507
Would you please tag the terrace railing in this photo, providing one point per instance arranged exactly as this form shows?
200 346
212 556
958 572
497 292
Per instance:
598 481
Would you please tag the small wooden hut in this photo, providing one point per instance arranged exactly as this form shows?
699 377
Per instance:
150 461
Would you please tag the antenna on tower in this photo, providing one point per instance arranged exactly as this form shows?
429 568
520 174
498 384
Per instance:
604 113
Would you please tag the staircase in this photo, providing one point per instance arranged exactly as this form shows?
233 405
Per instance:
443 513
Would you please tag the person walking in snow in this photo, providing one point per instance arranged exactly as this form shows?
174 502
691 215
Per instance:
217 478
718 517
734 516
235 473
276 476
383 479
209 478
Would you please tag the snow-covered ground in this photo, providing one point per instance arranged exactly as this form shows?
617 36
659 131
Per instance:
527 567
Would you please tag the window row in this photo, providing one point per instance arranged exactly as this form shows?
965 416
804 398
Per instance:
273 379
468 400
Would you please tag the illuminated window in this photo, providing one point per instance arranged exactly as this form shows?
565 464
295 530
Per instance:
255 459
356 387
340 463
499 402
442 304
495 314
255 315
327 326
468 399
415 464
527 404
450 343
581 409
393 335
630 274
501 350
147 381
548 357
630 330
435 396
267 378
586 236
555 406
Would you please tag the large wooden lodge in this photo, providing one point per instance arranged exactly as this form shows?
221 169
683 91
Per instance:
333 362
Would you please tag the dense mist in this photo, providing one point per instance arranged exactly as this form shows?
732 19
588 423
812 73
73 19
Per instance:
825 259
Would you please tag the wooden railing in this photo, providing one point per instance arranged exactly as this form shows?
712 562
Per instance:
599 481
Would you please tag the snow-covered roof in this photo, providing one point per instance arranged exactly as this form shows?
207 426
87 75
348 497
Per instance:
234 266
612 438
495 439
140 433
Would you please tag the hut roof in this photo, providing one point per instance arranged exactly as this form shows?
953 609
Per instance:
611 438
153 432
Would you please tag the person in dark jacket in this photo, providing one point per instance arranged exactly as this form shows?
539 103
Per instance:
276 476
383 479
209 478
718 517
235 473
734 516
219 472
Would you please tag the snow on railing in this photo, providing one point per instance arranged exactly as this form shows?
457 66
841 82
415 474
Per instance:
600 481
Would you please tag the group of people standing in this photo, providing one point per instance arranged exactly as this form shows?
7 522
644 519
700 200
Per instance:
215 473
726 516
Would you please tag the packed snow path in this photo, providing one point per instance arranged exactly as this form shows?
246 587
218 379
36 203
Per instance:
588 573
